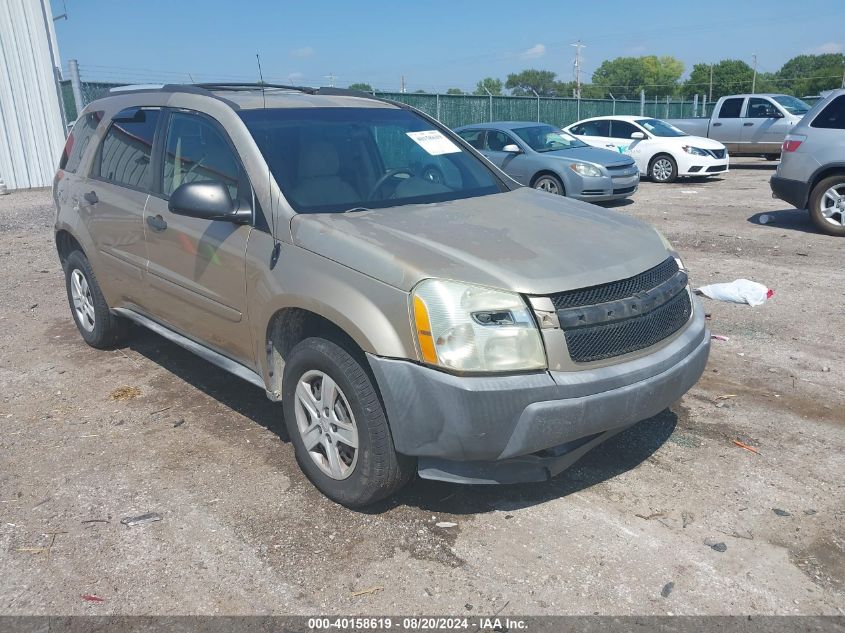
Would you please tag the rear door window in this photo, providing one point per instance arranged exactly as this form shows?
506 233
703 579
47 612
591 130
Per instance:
126 151
78 139
473 137
592 128
731 108
832 117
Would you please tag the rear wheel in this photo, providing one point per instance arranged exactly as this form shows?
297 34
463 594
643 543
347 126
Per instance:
338 426
549 184
663 168
92 315
827 205
772 156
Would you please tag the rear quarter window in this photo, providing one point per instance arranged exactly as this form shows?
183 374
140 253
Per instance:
832 117
78 140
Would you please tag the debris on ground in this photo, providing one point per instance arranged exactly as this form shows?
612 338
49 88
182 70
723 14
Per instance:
143 519
44 549
738 291
687 518
667 589
781 513
125 393
369 590
810 512
92 598
649 517
446 524
747 535
719 337
178 423
750 449
717 546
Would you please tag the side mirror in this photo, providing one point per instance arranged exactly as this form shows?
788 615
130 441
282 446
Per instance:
206 200
511 148
638 136
775 114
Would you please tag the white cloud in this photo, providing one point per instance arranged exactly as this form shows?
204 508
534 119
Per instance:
827 47
538 50
305 51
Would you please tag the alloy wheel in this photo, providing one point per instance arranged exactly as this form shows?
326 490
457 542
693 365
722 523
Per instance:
83 304
544 183
832 205
662 169
326 424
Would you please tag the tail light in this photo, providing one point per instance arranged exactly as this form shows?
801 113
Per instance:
792 142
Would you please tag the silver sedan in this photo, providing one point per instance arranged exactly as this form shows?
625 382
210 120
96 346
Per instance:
544 157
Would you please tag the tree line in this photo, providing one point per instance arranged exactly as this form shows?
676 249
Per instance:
625 77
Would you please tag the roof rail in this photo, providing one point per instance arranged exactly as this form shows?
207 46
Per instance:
241 85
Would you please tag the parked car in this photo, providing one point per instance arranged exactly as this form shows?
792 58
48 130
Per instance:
661 151
811 173
748 125
471 330
544 157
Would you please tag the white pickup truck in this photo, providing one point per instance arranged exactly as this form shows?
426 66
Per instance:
748 125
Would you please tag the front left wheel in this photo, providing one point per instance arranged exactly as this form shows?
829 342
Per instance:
338 426
549 184
663 168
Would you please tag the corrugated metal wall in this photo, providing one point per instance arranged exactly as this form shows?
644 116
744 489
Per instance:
32 130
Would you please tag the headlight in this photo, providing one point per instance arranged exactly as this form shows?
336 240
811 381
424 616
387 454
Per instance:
695 151
473 328
585 169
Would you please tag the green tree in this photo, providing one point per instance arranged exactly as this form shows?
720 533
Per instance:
626 76
730 76
361 86
456 91
491 84
544 82
806 75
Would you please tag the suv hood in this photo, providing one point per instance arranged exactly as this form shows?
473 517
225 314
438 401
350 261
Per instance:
525 240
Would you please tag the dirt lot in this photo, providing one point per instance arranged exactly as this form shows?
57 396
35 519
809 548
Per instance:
626 531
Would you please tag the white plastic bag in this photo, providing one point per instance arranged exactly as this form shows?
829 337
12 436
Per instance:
739 291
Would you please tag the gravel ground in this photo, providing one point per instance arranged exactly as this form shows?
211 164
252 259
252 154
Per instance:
670 516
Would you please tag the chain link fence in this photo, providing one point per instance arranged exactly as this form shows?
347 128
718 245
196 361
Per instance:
457 110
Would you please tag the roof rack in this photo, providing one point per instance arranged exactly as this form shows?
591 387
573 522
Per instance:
254 85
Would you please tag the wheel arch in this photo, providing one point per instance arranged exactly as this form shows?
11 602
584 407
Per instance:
824 172
549 172
66 243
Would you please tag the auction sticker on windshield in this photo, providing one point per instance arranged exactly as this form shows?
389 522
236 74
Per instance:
433 142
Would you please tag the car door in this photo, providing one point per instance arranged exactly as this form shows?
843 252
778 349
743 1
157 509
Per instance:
726 124
514 164
764 126
113 198
641 150
196 266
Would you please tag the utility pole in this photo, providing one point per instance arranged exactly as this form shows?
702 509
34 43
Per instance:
710 98
538 103
402 87
577 67
76 84
490 96
754 80
331 77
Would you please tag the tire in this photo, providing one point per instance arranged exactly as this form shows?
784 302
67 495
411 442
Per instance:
93 317
663 168
549 183
353 477
771 157
822 202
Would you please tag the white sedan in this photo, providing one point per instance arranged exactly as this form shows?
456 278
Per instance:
661 151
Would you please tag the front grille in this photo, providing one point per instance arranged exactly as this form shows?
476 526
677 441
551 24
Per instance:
717 153
716 168
625 190
624 167
607 340
616 290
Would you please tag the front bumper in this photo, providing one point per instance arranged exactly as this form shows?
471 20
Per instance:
605 188
505 429
794 192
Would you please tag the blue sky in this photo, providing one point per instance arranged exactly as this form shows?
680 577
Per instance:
435 44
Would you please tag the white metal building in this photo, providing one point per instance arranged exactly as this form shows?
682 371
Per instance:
32 128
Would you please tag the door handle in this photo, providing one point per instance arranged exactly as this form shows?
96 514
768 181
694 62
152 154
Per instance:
749 124
156 222
716 124
91 197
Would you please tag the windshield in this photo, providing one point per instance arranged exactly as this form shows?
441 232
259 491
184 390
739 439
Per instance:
545 138
340 159
660 128
792 105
